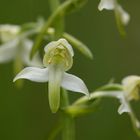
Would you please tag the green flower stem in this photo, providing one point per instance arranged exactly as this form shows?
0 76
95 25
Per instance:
68 131
79 45
81 105
56 130
59 24
17 67
64 99
54 4
104 91
62 10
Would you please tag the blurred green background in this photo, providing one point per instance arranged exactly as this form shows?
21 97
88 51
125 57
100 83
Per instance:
25 115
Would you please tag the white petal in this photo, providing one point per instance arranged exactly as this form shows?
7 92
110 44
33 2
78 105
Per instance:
124 107
130 79
33 74
67 45
36 60
8 51
73 83
106 4
9 28
8 32
131 87
124 16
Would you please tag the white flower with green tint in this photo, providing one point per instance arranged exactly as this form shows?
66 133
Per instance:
57 60
106 4
131 85
125 92
129 90
8 32
121 15
14 48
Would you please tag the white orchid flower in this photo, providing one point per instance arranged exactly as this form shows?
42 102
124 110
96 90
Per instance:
125 107
13 47
106 4
121 14
131 86
8 32
58 58
130 91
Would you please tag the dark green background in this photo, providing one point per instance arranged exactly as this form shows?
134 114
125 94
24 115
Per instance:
25 115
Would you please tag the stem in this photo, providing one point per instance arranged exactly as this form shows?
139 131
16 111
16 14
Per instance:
59 24
53 134
68 131
53 5
17 67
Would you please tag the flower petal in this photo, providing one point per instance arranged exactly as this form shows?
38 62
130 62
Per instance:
73 83
106 4
131 87
123 15
36 60
8 32
8 51
124 107
33 74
